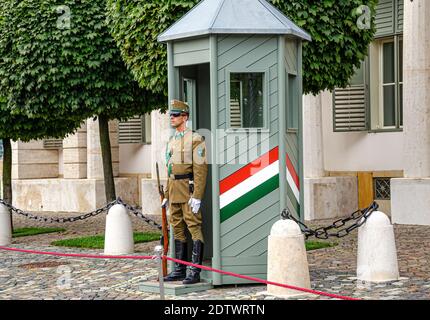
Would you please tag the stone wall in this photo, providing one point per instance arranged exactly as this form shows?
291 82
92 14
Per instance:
32 161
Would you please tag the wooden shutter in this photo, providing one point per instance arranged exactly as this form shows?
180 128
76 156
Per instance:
384 18
399 15
350 104
131 131
52 143
389 17
350 109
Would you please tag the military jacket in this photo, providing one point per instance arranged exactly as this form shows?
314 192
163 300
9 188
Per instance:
185 154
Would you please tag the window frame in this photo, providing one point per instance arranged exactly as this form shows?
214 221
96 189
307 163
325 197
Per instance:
289 108
265 127
192 121
380 85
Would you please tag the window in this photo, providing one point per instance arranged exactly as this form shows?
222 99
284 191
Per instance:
292 103
247 100
190 97
382 188
135 130
386 64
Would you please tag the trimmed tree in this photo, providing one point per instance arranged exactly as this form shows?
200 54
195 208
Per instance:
59 64
337 48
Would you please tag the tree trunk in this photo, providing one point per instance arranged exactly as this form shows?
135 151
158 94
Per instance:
107 158
7 173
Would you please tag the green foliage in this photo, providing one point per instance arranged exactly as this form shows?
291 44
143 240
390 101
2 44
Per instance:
97 242
53 77
328 61
135 25
24 232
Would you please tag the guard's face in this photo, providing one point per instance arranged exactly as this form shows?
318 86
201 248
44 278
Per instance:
177 119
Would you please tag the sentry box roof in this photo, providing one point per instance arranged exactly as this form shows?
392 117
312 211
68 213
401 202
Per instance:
232 17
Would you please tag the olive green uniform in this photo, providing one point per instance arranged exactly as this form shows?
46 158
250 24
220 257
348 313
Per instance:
185 154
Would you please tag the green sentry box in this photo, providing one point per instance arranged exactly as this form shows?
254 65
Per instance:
242 78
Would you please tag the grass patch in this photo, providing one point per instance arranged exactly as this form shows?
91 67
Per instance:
315 245
24 232
98 241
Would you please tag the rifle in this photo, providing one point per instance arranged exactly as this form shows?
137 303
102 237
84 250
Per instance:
165 237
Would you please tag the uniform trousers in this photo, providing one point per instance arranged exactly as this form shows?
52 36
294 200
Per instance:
182 217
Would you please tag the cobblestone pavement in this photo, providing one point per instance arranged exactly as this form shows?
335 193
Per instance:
25 276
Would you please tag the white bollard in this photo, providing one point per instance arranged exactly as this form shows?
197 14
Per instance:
119 232
5 226
377 255
287 262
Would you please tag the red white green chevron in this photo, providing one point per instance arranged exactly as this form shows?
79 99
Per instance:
254 181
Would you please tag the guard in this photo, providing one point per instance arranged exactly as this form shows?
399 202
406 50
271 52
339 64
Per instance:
187 171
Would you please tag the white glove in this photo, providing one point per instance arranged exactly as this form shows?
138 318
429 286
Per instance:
165 203
195 205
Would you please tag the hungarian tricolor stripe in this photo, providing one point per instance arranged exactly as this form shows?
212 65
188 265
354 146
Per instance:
254 181
293 185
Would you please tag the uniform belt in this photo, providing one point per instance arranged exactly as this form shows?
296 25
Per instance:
182 176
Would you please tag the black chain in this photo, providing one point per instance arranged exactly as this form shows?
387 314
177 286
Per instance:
135 210
359 216
138 213
58 220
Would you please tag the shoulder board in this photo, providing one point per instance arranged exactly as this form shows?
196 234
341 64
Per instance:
197 136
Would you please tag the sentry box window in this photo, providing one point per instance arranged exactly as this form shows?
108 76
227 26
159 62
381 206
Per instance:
247 100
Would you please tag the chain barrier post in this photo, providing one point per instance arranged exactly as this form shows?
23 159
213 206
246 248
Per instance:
5 226
119 232
287 266
377 254
159 254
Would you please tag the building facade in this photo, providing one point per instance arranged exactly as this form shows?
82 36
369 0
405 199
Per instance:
369 141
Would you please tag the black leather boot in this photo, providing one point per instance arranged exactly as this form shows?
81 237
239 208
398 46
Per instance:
197 258
180 271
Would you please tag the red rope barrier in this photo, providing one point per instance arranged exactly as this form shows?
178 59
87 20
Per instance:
321 293
77 255
92 256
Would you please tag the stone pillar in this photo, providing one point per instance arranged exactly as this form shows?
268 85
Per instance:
409 196
118 232
287 262
75 154
94 155
32 161
377 254
313 156
324 197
